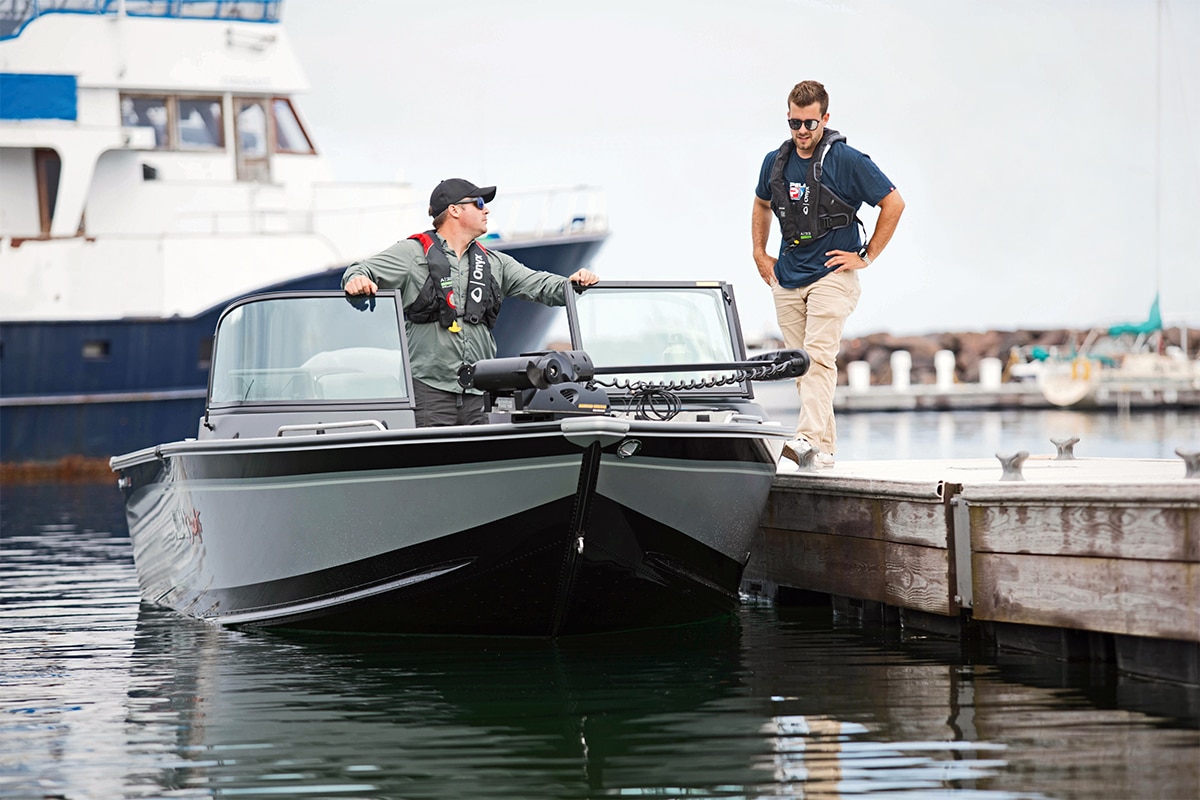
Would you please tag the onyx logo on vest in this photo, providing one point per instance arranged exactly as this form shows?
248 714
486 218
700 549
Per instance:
478 273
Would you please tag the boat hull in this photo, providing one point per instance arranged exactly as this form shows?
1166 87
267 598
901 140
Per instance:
542 529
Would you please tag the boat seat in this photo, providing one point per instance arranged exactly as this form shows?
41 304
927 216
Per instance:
281 384
377 360
358 386
357 373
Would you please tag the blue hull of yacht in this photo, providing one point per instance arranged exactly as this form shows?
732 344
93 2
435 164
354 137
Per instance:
92 389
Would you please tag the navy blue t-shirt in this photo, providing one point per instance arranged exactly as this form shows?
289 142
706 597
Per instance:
852 176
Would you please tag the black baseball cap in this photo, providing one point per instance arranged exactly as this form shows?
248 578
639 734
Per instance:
451 190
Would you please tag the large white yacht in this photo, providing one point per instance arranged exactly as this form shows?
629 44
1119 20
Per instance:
154 166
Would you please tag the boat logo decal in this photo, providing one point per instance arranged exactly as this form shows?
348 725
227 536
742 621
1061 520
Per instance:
187 525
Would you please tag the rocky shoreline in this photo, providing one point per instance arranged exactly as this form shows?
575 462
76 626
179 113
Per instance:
969 349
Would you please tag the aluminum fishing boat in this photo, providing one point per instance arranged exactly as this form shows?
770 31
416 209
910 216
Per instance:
616 485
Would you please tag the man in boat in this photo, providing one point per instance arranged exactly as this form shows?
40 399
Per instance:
815 183
451 288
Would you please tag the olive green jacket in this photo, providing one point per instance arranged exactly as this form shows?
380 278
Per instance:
434 352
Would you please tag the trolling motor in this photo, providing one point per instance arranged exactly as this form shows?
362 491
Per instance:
567 382
548 381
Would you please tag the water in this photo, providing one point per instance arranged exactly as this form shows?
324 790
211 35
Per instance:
103 697
983 434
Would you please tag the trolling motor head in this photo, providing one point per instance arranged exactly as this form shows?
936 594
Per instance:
546 381
539 370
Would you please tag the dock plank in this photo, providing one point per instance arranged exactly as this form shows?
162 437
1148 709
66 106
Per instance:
903 575
864 515
1121 596
1167 532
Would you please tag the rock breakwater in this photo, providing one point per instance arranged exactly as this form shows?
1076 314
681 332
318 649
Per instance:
970 348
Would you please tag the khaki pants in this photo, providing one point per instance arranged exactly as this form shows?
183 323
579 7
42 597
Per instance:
812 318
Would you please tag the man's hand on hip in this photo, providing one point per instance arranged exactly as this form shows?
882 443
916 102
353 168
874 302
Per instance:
766 267
844 260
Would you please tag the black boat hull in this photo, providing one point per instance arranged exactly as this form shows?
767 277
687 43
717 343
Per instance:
543 529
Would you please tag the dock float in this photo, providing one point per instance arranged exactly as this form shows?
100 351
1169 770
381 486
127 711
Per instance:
1092 558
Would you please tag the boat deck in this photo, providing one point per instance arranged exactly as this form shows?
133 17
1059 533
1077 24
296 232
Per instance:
1088 558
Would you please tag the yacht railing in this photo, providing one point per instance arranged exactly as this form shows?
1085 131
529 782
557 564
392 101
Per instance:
549 210
16 14
520 214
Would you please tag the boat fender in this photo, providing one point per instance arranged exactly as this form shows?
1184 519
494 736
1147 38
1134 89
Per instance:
808 211
436 302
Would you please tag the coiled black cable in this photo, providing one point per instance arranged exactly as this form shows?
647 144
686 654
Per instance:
657 399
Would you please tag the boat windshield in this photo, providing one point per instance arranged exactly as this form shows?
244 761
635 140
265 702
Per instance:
648 326
285 348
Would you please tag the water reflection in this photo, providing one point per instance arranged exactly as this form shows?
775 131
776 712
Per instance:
101 697
425 716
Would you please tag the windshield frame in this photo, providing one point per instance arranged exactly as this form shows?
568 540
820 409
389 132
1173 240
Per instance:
217 399
722 294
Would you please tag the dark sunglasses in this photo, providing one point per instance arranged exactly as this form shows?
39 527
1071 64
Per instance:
797 124
475 201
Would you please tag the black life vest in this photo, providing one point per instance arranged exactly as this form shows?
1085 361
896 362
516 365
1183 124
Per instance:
817 210
436 302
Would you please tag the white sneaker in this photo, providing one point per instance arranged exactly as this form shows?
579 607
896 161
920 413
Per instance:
799 451
805 455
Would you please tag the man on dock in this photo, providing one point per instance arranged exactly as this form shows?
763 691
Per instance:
451 288
815 183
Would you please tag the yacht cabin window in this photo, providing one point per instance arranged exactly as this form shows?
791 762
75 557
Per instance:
200 123
289 133
179 123
147 112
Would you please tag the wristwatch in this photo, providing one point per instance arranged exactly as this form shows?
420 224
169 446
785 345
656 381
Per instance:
862 253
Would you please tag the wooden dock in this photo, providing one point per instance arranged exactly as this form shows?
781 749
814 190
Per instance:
1078 558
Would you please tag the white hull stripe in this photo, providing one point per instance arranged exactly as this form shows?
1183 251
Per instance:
103 397
317 605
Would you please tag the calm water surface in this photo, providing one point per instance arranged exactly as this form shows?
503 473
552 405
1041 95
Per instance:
103 697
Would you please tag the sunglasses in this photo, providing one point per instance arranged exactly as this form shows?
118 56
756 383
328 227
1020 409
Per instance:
472 201
797 124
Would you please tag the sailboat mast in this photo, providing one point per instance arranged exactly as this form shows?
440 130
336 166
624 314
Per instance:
1161 11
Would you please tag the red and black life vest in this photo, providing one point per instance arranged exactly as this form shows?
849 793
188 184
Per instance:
436 302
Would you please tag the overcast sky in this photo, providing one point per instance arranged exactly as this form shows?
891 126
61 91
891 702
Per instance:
1048 150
